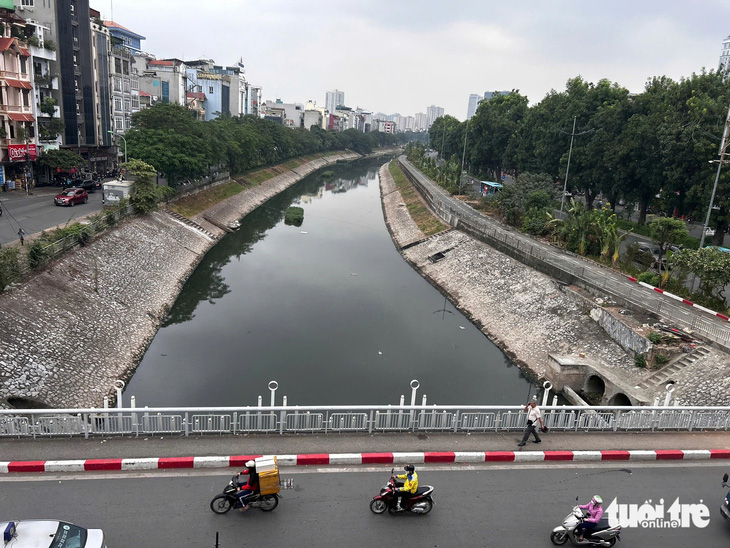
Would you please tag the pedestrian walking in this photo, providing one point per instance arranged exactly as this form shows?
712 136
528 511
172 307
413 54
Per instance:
534 415
21 235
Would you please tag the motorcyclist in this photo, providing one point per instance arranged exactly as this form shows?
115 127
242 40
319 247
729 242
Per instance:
247 489
409 487
595 511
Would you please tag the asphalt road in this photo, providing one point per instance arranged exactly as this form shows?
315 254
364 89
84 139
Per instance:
37 212
484 506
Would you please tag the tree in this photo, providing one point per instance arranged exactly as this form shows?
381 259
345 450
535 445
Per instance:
711 266
62 159
490 130
145 193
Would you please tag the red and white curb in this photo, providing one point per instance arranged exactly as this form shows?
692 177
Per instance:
468 457
680 299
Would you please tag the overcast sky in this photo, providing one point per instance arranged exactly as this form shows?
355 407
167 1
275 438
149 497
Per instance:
404 55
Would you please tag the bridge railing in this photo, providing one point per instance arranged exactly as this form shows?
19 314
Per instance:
188 421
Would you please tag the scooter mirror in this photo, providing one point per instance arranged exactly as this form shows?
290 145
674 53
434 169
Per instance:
724 478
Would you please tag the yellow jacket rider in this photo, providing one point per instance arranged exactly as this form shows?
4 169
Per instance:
409 487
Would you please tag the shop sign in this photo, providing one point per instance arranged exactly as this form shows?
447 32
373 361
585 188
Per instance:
16 153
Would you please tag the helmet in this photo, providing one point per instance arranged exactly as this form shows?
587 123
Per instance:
597 499
250 464
409 468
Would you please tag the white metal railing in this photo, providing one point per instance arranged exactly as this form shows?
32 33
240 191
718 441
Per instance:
133 421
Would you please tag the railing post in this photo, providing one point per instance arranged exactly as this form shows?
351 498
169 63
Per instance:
283 416
370 426
234 418
414 388
135 424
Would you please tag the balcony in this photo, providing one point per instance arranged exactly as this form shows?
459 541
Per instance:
22 109
42 53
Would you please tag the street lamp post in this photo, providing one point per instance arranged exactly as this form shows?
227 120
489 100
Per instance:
125 143
722 154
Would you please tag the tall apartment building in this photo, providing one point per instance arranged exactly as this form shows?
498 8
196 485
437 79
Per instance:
124 73
432 113
473 104
17 132
80 70
101 160
334 99
164 80
420 122
725 55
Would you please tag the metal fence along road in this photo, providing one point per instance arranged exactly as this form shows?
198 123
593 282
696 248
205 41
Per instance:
561 264
350 419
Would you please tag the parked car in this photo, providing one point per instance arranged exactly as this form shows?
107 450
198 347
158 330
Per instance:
46 533
71 197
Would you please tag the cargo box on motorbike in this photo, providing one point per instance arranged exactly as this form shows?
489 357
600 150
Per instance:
266 464
268 470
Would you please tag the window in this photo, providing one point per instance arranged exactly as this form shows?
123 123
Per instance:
127 105
117 84
27 3
126 86
125 67
117 65
135 102
210 90
135 83
119 123
117 104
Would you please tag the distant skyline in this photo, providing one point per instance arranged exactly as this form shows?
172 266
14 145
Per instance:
405 56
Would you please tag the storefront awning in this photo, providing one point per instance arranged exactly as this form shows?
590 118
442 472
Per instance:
20 84
20 117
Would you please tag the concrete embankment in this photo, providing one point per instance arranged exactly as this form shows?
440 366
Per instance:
526 313
72 330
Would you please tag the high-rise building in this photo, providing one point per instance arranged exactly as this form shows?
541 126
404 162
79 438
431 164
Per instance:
725 55
334 99
489 94
432 113
473 103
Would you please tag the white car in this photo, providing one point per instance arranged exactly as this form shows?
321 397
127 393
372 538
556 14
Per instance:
46 533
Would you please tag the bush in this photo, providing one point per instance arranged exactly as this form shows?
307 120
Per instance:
640 360
534 223
38 256
651 278
654 337
660 359
9 266
294 216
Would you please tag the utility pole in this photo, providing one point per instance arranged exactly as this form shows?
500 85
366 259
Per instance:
463 155
722 153
567 169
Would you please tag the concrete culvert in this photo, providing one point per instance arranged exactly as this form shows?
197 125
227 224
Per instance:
619 400
19 402
596 385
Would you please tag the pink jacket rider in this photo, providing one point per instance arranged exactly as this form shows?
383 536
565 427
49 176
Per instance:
595 511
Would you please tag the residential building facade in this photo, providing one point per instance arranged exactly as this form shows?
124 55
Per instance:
334 99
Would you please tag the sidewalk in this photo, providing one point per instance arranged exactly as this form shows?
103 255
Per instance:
207 446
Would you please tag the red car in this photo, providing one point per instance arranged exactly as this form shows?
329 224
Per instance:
71 196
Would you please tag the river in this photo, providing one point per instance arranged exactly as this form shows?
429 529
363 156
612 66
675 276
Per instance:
328 309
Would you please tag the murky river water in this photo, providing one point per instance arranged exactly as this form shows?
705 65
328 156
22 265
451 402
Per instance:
329 309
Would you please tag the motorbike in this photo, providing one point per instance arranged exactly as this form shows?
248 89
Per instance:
602 535
227 499
420 503
725 507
